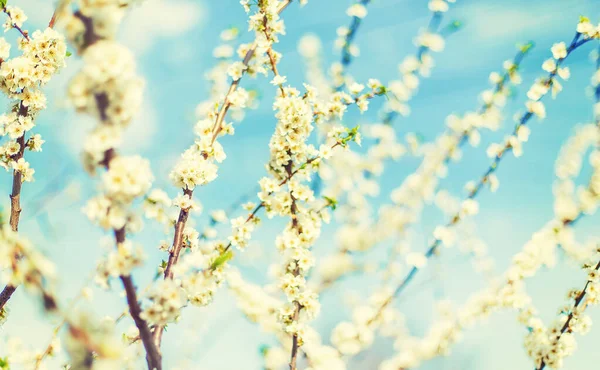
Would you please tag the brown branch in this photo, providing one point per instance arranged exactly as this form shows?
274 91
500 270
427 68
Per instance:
89 36
566 326
60 7
174 254
294 354
271 54
49 348
5 295
153 356
15 204
24 33
178 238
15 196
297 305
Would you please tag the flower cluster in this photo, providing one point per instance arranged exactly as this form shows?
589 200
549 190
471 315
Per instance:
255 302
119 262
413 66
166 298
108 88
127 178
447 330
587 29
22 264
259 306
299 112
289 151
201 272
352 337
567 204
351 176
193 169
16 18
344 42
89 337
21 77
156 206
550 346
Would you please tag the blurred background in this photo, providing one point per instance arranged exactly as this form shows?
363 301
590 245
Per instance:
173 41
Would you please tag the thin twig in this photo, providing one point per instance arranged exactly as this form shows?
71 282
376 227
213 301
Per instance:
15 203
218 126
23 33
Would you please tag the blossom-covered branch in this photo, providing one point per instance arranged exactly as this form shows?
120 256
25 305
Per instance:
108 88
197 164
43 55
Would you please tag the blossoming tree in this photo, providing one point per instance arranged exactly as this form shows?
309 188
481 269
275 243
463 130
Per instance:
322 168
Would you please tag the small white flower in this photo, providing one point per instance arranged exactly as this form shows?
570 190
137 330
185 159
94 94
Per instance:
549 65
438 6
357 10
559 50
236 70
470 207
416 259
278 80
537 108
564 73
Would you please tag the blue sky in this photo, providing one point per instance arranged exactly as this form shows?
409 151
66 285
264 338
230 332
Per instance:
173 42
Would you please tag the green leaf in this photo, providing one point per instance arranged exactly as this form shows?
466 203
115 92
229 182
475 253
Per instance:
163 265
456 25
67 54
4 360
223 258
3 3
525 48
451 27
331 202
